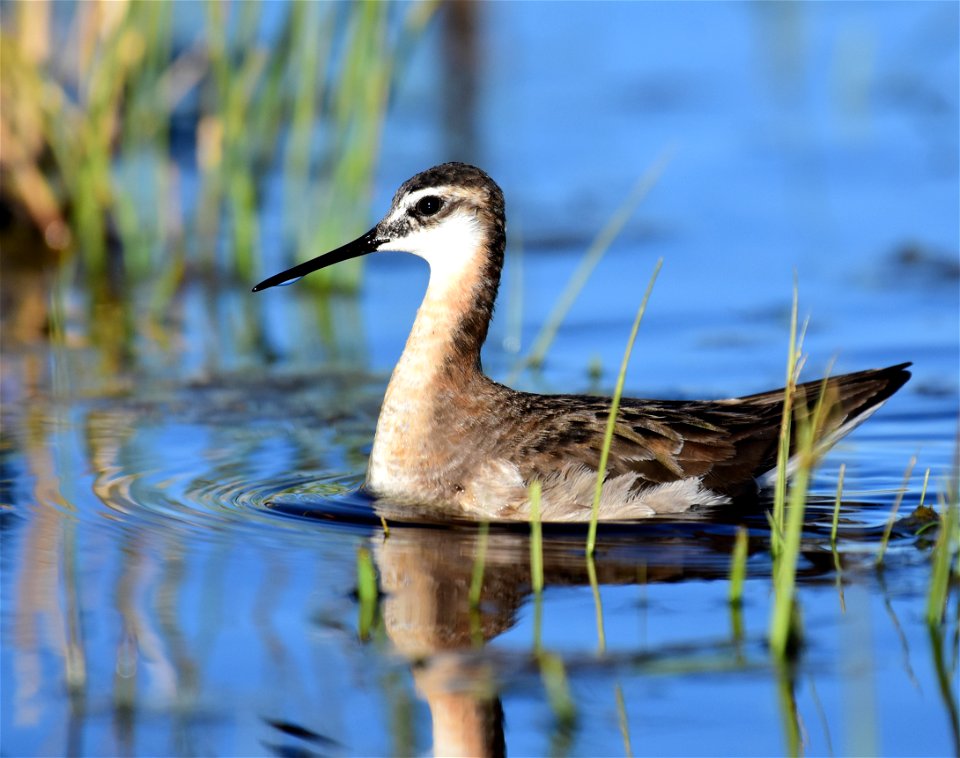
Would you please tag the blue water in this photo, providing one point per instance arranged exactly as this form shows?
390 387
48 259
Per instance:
180 544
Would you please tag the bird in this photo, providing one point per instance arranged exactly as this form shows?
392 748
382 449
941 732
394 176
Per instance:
449 438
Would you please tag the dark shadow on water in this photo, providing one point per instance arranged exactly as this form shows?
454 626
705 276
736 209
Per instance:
707 527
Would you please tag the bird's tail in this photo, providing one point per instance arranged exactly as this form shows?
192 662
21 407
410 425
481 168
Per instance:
847 401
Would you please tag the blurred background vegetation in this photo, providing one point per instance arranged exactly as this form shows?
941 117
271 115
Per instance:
137 138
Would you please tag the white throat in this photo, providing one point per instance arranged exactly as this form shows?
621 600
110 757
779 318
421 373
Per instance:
452 249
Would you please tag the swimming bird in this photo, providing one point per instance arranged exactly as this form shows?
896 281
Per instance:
449 437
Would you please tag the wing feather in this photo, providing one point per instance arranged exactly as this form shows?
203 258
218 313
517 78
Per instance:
726 443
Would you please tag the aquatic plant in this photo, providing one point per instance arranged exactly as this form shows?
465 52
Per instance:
783 449
738 575
536 563
738 565
598 248
597 604
835 523
536 538
614 410
107 116
479 563
945 562
923 489
622 721
891 520
554 676
367 592
804 427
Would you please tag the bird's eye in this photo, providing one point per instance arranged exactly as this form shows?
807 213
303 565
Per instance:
428 205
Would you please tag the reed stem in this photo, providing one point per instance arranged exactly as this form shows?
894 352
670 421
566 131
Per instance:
738 565
536 538
596 251
783 450
479 564
888 529
614 410
836 506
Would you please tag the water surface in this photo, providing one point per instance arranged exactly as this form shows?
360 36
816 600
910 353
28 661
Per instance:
180 530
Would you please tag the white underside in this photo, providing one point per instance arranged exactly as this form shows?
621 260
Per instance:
498 492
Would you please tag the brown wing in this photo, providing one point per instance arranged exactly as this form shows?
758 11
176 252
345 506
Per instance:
729 443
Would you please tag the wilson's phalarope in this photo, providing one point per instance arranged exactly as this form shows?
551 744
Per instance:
450 437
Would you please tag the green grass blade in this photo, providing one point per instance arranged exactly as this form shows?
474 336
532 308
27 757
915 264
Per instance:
623 722
787 696
738 565
783 451
809 428
596 251
837 566
836 505
944 558
538 623
614 410
893 511
367 592
946 677
554 675
785 570
738 575
923 490
536 538
479 564
597 604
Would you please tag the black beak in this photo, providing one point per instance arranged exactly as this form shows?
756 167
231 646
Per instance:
368 243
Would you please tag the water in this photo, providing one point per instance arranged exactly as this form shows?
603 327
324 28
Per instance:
180 531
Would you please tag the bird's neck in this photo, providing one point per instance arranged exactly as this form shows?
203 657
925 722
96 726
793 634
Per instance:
449 330
440 364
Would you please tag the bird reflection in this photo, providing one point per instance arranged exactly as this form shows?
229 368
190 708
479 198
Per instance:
426 574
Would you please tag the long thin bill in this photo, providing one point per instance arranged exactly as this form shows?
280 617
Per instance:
368 243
